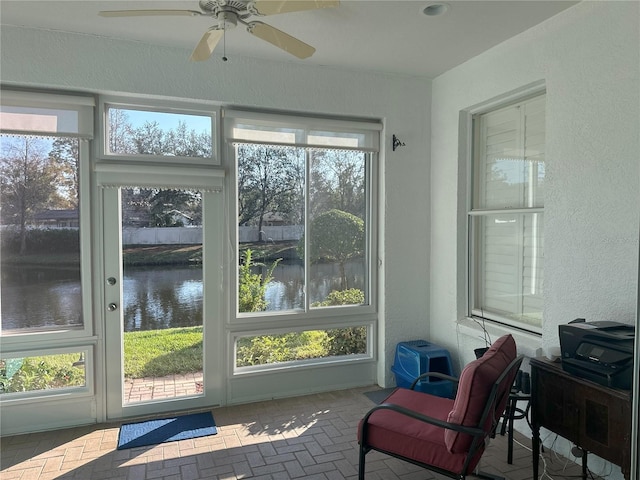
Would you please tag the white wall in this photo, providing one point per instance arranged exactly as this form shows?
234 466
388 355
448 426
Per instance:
588 57
45 59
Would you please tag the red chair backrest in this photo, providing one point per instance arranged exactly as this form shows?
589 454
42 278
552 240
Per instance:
475 386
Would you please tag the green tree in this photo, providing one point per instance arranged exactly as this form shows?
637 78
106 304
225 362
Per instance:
183 142
170 208
166 207
65 153
136 206
268 181
27 182
335 236
337 181
120 132
148 139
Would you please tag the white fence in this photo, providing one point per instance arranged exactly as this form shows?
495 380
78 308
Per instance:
162 236
270 234
193 235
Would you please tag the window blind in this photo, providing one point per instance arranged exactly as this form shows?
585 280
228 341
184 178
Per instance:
301 131
46 114
113 175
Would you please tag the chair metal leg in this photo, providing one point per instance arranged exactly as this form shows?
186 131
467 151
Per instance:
361 463
584 464
512 414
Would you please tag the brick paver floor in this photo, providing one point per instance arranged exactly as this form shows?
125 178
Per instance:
156 388
311 437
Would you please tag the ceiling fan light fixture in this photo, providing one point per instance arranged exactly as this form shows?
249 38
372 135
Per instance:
228 13
227 20
435 9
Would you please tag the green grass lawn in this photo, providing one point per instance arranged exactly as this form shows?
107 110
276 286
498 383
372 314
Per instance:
153 353
158 353
141 255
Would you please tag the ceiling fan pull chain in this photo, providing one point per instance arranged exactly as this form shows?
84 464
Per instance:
224 43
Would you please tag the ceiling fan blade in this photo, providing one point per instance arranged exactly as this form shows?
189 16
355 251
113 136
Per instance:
272 7
282 40
206 45
141 13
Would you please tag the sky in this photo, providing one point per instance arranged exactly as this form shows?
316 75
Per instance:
168 121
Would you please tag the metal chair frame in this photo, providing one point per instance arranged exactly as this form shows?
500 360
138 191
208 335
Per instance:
477 432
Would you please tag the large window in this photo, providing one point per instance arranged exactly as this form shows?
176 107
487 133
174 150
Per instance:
506 216
44 246
304 226
44 151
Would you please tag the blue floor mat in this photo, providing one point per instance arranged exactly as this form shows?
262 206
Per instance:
163 430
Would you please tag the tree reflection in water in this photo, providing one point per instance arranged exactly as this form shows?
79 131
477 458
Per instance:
154 297
158 298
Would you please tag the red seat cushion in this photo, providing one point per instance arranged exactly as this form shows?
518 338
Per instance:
474 387
398 434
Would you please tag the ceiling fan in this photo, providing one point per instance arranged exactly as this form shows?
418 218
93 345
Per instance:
228 13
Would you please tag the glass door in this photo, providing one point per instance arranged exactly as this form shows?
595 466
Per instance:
154 300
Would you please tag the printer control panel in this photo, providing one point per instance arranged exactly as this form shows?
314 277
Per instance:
601 356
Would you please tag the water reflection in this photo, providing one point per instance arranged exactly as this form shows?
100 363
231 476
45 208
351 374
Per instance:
153 297
286 290
157 298
38 298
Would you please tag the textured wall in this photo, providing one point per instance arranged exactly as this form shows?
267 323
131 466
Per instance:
588 57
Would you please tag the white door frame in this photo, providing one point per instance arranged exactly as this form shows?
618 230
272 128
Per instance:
209 181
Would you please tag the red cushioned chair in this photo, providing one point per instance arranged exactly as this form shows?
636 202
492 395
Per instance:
445 435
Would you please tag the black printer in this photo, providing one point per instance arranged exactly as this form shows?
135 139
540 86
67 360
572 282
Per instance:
598 351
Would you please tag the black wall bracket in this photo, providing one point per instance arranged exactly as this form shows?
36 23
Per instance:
396 142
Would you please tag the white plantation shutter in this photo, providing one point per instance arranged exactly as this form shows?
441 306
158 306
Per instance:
499 146
506 219
533 259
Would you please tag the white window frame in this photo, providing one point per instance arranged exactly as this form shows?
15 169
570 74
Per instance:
75 120
171 107
271 323
474 211
83 105
256 369
42 395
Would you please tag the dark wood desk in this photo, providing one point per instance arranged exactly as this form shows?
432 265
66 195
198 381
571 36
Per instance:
594 417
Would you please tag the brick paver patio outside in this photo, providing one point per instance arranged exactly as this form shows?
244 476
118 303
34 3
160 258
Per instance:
157 388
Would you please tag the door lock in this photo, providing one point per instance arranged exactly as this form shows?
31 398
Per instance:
112 307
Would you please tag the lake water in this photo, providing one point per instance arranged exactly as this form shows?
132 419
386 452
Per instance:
154 297
40 298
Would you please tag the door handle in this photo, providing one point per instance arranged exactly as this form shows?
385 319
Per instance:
112 307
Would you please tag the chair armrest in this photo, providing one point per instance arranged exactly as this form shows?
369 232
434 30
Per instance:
442 376
473 431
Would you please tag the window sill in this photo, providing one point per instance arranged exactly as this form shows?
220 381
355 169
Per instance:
45 396
529 344
301 364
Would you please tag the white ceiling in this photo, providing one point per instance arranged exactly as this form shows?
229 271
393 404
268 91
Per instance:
384 36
